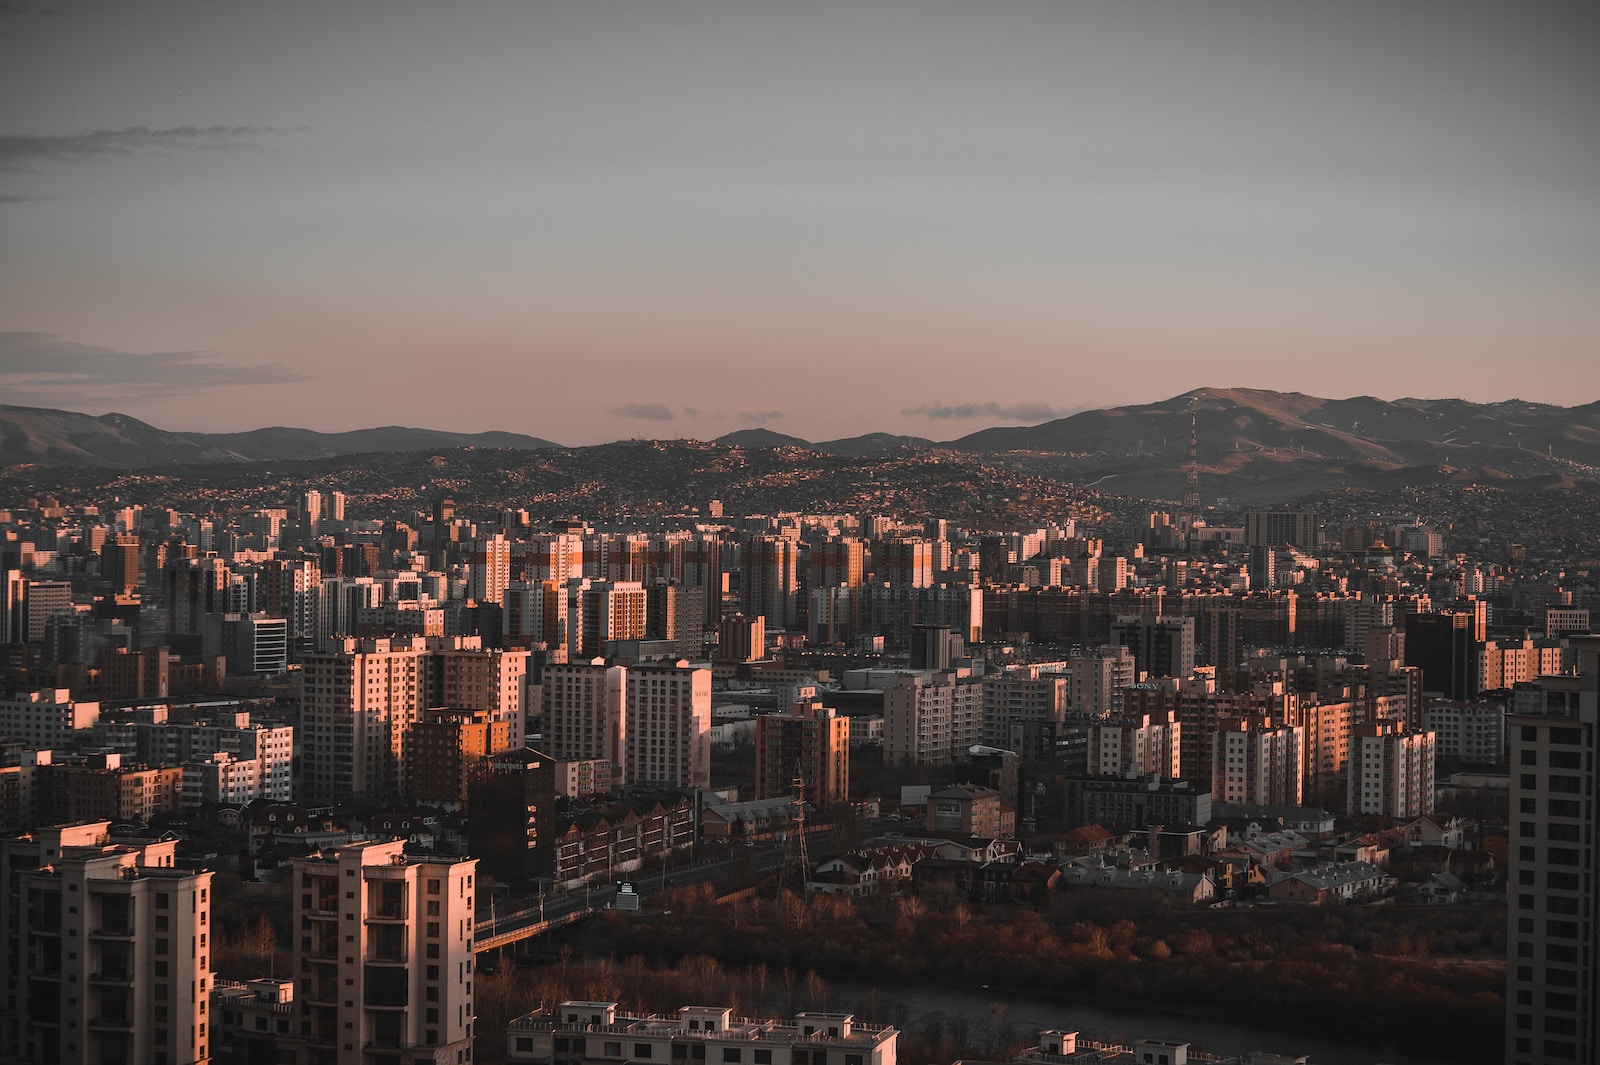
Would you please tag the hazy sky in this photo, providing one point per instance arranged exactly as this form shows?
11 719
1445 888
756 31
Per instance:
593 220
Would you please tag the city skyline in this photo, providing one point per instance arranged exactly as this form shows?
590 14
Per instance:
589 223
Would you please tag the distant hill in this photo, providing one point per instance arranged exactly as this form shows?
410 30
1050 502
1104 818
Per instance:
871 444
67 438
759 438
1254 443
1254 446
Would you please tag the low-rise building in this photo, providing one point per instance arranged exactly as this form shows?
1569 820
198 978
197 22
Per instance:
598 1033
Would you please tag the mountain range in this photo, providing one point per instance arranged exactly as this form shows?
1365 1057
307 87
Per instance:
1249 444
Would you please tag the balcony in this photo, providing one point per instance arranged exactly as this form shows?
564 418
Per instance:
112 931
114 1022
112 976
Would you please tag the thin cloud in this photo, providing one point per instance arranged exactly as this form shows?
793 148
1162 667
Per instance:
650 412
760 415
40 364
19 151
1021 412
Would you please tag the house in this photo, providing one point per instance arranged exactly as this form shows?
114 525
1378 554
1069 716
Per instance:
1436 830
1441 889
1371 848
1086 839
1192 889
1031 882
1330 884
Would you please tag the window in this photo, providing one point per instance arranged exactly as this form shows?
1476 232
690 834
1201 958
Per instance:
641 1050
611 1050
730 1054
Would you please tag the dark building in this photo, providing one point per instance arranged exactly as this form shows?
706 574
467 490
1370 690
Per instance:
1446 649
935 647
511 809
1161 646
1281 528
1135 804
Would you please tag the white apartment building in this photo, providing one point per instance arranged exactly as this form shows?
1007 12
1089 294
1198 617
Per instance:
105 950
1135 746
1390 771
931 718
651 722
383 953
358 705
1468 732
584 720
47 719
1257 766
667 738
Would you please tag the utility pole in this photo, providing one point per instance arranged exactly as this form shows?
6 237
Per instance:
795 856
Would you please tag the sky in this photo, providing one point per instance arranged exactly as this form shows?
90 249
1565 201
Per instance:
591 220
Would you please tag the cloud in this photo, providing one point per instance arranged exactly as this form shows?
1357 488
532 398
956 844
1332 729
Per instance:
760 415
19 151
652 412
1021 412
40 364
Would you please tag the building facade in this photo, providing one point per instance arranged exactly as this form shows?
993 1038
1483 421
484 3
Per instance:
107 950
1553 916
383 953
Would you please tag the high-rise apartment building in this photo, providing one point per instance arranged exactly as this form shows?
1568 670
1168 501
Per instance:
383 952
667 734
1021 708
1390 771
461 674
584 704
1135 745
600 612
489 569
1279 528
1161 646
1098 678
1256 764
1553 913
931 718
105 950
769 579
358 705
812 743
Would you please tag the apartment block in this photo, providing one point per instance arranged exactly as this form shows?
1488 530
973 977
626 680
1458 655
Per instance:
667 735
1390 771
1255 764
46 719
358 705
106 950
1135 745
811 742
1553 915
931 718
383 953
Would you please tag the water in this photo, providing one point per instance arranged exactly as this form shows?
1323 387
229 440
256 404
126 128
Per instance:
909 1007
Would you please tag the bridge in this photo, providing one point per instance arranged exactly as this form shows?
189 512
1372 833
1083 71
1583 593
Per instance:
503 929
